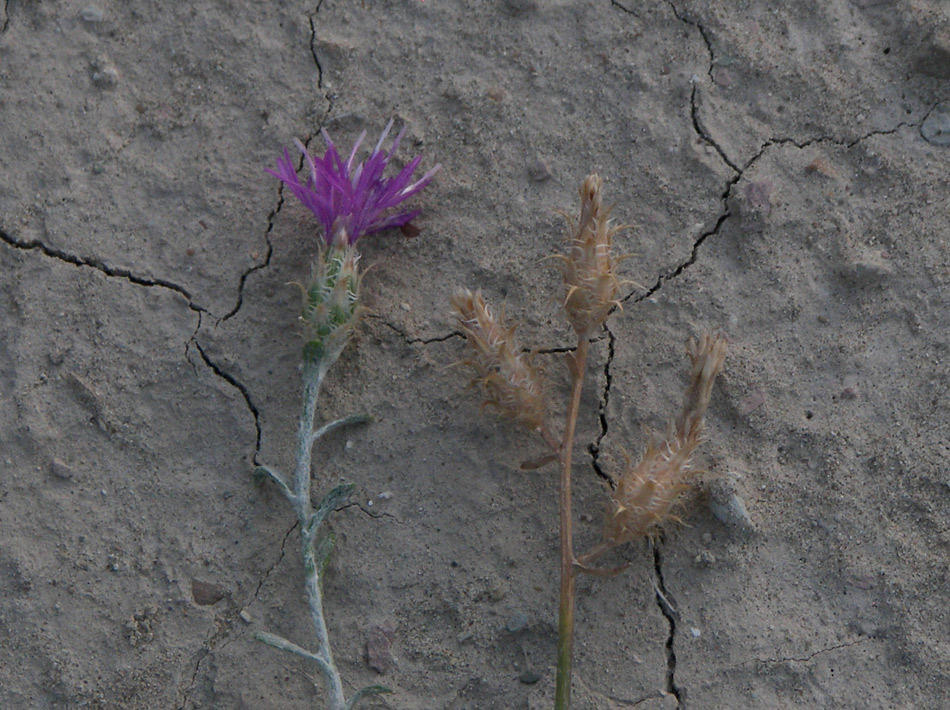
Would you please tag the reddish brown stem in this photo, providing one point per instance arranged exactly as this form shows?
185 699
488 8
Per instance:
565 641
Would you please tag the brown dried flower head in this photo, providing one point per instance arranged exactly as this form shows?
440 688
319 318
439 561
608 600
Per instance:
589 266
511 381
647 494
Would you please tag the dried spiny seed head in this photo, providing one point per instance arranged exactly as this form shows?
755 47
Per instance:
512 383
646 494
589 266
331 302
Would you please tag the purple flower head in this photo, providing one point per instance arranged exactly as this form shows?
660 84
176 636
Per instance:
350 198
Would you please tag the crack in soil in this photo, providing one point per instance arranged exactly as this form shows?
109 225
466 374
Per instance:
623 8
270 252
663 602
234 382
703 133
101 266
280 558
806 659
313 46
594 447
415 341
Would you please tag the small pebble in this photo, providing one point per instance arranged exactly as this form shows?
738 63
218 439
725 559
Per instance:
496 93
61 470
405 306
539 170
936 127
379 646
105 78
529 677
385 495
92 13
206 593
695 632
728 507
349 444
516 622
246 616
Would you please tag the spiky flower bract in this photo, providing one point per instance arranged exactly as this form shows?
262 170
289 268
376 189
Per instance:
331 303
511 381
352 197
646 494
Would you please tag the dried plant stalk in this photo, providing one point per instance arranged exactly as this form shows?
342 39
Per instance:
589 267
647 493
511 381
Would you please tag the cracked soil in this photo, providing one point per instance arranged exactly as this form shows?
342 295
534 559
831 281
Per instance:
784 170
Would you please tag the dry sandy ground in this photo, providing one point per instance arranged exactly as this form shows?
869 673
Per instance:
785 170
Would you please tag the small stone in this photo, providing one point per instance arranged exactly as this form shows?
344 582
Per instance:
705 559
62 470
529 677
695 632
107 78
728 507
464 636
539 170
246 616
379 646
405 307
92 13
206 593
821 167
496 93
757 195
722 77
751 403
516 622
496 590
385 495
936 127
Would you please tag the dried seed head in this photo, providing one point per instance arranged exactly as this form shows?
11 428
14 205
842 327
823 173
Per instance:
331 302
588 267
646 494
511 381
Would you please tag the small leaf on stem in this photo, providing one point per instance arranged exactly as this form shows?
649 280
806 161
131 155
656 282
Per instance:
331 501
365 693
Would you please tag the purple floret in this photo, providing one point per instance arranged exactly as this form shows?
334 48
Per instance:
350 197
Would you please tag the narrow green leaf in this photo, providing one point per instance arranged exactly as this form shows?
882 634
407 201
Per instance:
331 501
365 693
321 553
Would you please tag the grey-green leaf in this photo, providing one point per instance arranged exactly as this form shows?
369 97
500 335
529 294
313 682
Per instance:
331 501
321 552
365 693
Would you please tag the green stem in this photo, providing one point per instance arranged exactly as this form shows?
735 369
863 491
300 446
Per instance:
565 624
313 375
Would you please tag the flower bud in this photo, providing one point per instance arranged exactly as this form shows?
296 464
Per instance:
331 302
511 381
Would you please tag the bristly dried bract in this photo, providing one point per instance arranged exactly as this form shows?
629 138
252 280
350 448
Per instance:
511 381
646 494
589 265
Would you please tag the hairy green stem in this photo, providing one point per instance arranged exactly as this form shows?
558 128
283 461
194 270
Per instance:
565 624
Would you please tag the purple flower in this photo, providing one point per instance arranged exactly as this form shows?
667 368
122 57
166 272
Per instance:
350 198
